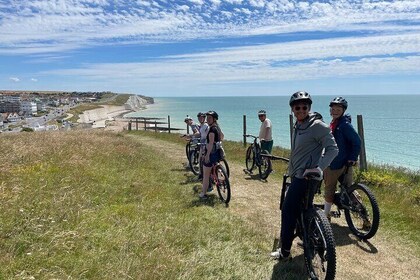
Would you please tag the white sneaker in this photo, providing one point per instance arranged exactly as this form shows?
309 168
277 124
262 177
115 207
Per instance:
202 195
279 256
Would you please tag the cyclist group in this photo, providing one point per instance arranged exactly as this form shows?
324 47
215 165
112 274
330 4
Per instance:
211 135
316 148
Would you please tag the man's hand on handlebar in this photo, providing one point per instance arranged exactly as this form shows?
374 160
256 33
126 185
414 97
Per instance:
313 173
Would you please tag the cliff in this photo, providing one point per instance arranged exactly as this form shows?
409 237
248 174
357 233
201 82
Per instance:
138 102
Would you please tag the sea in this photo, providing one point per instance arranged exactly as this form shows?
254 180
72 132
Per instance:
391 123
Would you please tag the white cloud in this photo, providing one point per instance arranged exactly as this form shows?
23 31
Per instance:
257 3
34 80
80 23
14 79
303 60
197 2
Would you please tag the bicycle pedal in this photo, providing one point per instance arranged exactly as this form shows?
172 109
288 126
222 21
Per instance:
335 214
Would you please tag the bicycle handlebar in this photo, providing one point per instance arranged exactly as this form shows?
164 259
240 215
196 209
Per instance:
273 157
313 175
249 135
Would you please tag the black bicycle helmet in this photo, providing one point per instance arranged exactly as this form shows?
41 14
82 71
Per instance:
262 112
201 114
339 101
188 119
300 96
213 114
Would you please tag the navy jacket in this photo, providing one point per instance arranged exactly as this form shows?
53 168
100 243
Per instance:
348 142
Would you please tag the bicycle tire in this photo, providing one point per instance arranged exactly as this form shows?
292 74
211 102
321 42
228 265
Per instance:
222 184
319 252
362 211
194 161
225 164
250 158
265 167
188 150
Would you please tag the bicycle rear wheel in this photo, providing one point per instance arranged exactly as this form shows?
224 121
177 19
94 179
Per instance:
222 184
319 250
194 161
265 168
250 158
362 214
223 162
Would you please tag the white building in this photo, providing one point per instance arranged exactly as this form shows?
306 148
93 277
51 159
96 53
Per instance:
28 108
41 106
10 98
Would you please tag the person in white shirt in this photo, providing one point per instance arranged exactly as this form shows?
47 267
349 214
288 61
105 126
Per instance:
266 140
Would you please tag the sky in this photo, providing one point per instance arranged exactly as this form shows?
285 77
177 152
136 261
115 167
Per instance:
211 47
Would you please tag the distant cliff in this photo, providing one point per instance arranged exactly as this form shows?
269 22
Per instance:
138 102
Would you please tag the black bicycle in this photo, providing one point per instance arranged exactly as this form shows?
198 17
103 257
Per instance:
190 143
196 165
313 229
360 208
253 158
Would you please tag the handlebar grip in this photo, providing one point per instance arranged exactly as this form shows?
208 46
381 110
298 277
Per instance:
313 175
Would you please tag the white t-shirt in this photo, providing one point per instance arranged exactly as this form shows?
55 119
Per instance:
265 130
204 130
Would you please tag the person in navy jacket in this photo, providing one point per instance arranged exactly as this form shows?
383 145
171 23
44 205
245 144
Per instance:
348 142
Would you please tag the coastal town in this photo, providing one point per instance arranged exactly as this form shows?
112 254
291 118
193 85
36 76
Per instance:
41 111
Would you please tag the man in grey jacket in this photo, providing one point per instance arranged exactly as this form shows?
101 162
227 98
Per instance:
313 149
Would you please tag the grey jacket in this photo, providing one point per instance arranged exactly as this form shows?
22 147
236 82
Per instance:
309 140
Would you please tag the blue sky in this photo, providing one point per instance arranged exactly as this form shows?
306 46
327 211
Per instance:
211 47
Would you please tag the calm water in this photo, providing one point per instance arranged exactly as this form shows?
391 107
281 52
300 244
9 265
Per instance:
391 123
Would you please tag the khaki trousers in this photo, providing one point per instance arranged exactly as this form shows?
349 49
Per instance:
331 179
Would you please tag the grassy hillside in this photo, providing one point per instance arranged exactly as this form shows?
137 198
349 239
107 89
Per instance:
97 205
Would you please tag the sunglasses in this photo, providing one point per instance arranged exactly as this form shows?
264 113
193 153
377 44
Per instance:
304 108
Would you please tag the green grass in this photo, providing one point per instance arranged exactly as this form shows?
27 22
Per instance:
396 189
97 205
119 100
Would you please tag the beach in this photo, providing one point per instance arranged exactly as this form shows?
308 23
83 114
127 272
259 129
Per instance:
111 117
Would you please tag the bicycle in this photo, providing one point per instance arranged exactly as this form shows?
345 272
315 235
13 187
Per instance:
194 160
314 230
220 179
253 158
191 141
360 207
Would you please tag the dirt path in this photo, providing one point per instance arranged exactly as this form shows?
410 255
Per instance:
383 257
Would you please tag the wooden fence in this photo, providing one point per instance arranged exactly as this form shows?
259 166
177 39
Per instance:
149 123
362 156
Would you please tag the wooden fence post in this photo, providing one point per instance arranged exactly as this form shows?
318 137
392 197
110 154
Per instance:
129 125
363 161
155 126
144 123
169 124
137 124
244 123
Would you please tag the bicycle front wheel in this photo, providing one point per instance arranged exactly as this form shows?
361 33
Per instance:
194 161
319 250
250 158
362 214
223 162
222 184
188 150
265 167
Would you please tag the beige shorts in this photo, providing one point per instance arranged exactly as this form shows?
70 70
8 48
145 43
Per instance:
331 179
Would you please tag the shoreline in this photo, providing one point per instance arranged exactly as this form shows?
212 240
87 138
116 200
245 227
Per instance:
111 117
